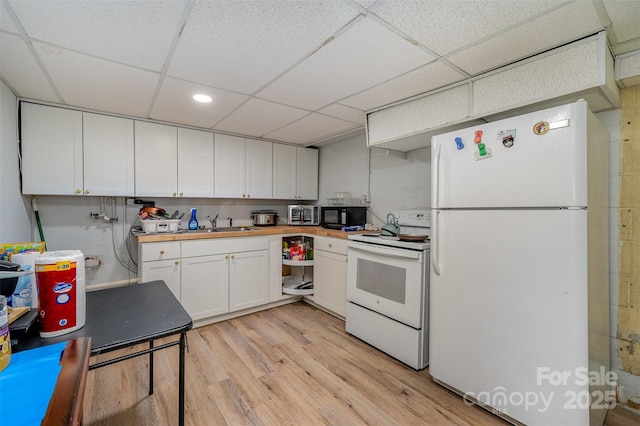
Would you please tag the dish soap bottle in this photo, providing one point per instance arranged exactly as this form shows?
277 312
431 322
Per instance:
193 222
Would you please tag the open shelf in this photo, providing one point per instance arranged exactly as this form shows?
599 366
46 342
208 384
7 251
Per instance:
297 262
292 282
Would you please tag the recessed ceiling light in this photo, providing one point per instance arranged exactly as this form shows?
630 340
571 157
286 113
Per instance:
202 98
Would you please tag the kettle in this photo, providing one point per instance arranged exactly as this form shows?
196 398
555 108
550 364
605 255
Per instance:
391 229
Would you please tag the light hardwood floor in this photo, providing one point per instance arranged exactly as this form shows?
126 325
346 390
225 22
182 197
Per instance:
291 365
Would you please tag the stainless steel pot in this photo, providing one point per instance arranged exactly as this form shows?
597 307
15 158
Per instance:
264 218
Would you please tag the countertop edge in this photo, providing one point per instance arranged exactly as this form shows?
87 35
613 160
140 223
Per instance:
257 232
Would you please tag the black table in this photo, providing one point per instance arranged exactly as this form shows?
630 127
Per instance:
122 317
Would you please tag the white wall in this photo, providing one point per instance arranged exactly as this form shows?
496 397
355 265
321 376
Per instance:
15 210
395 180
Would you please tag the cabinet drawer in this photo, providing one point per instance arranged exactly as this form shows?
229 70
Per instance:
160 251
333 245
223 245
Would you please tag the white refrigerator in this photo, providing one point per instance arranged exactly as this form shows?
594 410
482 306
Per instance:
519 298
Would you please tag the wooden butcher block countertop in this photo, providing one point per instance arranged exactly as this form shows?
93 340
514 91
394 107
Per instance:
254 231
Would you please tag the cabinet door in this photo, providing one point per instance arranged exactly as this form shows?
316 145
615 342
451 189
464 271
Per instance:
51 150
163 270
108 155
248 279
195 163
330 281
229 166
258 160
307 168
284 171
156 151
205 285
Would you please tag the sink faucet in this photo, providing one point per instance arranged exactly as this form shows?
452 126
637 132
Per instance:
214 221
230 222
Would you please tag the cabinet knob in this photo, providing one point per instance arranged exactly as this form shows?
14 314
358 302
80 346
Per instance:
181 194
248 195
161 251
330 245
77 191
175 193
226 257
86 191
177 262
244 195
233 256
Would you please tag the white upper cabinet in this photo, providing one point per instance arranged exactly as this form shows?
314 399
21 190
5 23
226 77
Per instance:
156 151
307 168
70 152
295 172
67 152
108 155
242 167
51 150
258 169
229 166
195 163
284 171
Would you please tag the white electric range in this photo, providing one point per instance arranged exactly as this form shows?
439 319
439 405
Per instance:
388 289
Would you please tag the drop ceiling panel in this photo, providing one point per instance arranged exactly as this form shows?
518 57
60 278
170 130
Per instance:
344 112
19 68
625 16
6 23
360 58
424 79
445 26
568 23
175 104
242 45
98 84
132 32
311 128
258 117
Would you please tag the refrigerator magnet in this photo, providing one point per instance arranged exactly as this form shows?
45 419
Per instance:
507 137
541 127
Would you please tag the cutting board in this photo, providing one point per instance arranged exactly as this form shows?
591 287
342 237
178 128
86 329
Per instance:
15 313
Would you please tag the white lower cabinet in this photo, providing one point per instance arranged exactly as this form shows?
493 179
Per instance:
218 276
161 261
330 274
222 275
164 270
248 279
205 285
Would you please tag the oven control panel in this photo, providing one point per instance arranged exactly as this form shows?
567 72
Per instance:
420 218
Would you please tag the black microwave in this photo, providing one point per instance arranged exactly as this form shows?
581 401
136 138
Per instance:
335 217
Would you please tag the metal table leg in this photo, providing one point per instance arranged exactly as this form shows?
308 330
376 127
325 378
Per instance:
151 368
183 337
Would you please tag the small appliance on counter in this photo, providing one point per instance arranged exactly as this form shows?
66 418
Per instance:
300 214
391 228
337 217
264 217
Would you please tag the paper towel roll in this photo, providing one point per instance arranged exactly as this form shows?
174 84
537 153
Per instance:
26 292
60 277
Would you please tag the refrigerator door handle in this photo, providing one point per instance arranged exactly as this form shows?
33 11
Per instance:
435 260
436 178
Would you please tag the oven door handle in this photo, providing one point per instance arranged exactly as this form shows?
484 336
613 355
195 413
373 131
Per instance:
390 252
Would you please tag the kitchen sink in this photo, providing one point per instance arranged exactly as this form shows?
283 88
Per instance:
227 229
236 228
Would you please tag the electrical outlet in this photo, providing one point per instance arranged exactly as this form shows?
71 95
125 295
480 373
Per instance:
131 201
366 198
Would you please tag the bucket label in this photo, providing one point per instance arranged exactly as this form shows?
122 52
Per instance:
57 296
